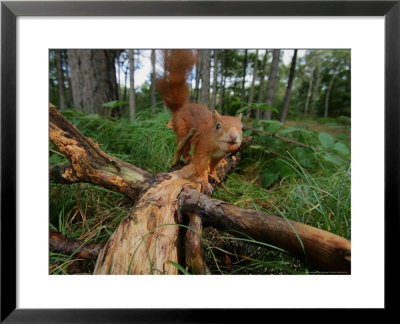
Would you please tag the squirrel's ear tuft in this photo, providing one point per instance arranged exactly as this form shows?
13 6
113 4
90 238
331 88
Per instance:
216 115
240 116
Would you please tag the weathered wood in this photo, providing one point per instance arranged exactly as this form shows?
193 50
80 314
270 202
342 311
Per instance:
92 165
148 237
318 248
60 244
62 173
194 260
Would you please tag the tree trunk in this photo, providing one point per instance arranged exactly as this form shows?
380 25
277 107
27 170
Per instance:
222 89
253 81
62 100
309 92
147 240
153 80
68 78
118 65
315 95
132 93
125 84
93 79
273 73
328 93
244 78
261 88
198 75
205 77
53 89
215 74
285 107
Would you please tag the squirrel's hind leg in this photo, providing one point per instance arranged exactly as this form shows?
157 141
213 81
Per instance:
183 146
213 169
185 152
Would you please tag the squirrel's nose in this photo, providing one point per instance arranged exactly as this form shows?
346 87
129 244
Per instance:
233 137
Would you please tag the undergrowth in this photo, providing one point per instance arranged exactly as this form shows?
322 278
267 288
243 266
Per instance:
309 184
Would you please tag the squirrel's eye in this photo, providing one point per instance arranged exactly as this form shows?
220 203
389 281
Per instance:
218 126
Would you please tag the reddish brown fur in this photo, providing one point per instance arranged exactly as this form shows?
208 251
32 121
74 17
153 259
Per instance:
173 88
210 144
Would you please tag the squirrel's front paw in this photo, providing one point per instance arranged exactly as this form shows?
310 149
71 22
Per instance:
208 189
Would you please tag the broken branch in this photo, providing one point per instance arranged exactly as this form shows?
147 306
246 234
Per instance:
194 260
318 248
90 164
60 244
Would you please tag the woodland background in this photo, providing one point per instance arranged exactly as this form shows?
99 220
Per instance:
297 108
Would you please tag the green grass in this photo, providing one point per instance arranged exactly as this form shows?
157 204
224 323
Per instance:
137 143
308 185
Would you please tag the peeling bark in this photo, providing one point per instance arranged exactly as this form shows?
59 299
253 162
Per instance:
148 237
63 173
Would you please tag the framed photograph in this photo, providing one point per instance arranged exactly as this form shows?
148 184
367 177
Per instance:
36 36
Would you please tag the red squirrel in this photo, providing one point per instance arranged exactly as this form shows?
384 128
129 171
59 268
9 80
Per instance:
215 136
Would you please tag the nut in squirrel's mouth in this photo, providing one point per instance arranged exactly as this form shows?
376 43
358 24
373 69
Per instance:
230 142
229 146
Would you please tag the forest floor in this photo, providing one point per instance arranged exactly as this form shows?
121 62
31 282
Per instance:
331 127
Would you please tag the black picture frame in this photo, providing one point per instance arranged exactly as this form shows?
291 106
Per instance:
11 10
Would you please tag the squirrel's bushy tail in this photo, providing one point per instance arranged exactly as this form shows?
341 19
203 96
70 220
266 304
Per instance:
172 85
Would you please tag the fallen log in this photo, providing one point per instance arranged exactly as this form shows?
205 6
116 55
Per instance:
147 241
318 248
60 244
